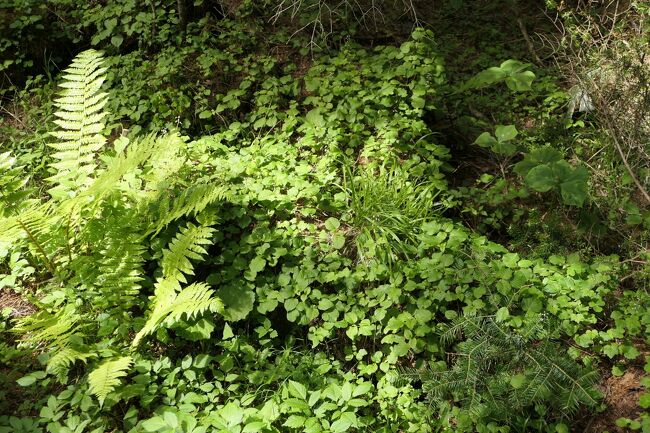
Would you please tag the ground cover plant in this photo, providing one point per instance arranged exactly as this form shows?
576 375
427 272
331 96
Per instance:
244 216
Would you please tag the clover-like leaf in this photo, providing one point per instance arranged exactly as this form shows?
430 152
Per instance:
257 264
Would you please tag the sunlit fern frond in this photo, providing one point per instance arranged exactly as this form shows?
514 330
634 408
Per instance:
187 245
52 329
106 377
80 118
170 305
120 263
12 185
35 225
64 357
138 152
170 206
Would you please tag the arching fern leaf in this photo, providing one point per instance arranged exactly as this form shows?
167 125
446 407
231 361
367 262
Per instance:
65 357
80 118
12 185
191 201
187 245
169 305
106 377
53 329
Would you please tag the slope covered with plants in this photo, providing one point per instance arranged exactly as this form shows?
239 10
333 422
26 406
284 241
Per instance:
323 217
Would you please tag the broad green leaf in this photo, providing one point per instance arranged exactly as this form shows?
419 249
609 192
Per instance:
257 264
505 148
489 76
154 424
502 314
562 428
418 102
505 132
362 389
238 301
332 224
520 81
544 155
524 166
170 418
630 352
644 400
232 414
315 118
227 332
254 427
201 330
347 420
346 391
26 380
202 360
562 171
117 40
338 241
611 350
540 178
511 66
574 192
517 381
295 421
485 140
297 389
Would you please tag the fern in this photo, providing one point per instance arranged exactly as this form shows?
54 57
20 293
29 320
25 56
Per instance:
188 244
106 377
108 274
120 267
12 185
35 225
170 306
112 178
168 207
93 235
57 331
53 329
65 357
80 118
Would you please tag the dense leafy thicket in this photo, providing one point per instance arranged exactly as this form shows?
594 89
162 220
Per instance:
206 228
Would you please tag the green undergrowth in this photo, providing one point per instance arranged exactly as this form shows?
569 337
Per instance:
220 232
